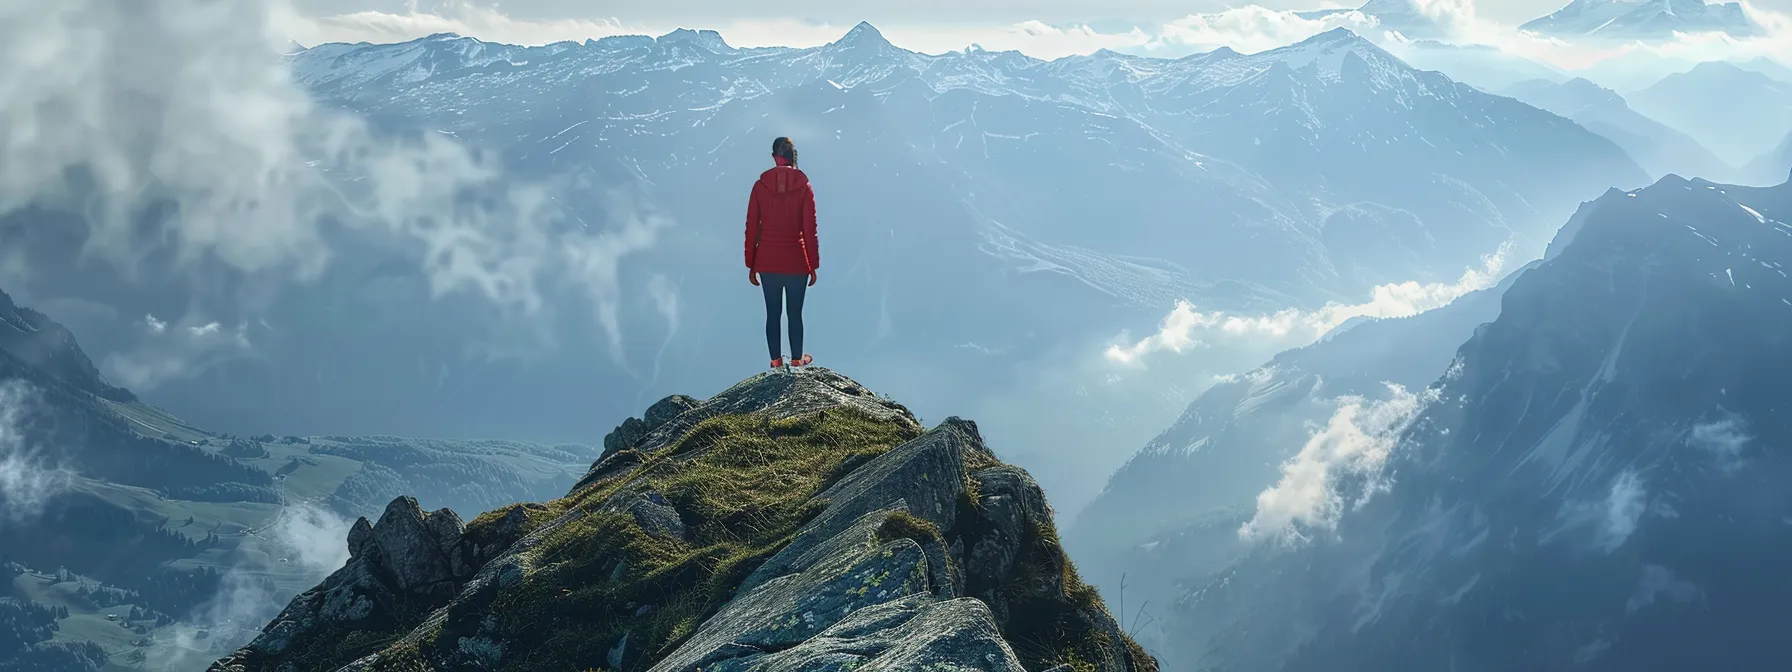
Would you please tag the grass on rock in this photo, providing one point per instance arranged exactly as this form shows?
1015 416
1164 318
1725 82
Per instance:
743 486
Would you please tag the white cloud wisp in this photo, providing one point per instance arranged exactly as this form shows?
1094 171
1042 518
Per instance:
306 542
1187 328
1355 444
27 481
175 128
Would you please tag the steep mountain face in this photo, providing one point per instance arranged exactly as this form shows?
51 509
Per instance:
794 521
1736 113
36 343
1645 19
1659 148
1595 482
125 529
1172 513
959 208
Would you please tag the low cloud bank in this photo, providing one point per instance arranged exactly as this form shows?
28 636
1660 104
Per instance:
1187 328
29 479
305 544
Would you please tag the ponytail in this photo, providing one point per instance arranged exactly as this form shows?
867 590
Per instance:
783 148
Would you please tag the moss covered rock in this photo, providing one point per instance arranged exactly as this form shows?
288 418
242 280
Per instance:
795 521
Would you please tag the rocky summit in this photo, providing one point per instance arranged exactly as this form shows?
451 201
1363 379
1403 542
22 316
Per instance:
792 522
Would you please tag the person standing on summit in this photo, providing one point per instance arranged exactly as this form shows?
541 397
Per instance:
782 253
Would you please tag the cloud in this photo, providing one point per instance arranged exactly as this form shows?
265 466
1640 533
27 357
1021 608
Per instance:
1611 516
313 539
1355 445
121 110
1455 19
1724 439
664 294
452 16
1186 328
1251 28
1621 511
173 352
1634 62
306 543
27 483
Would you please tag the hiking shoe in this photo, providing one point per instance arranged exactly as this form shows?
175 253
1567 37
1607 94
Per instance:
778 363
800 363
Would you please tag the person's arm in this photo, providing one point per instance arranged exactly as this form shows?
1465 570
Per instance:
810 246
752 225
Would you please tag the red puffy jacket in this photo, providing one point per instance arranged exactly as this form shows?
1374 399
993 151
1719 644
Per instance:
781 223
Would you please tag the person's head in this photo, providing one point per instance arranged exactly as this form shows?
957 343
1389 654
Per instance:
783 148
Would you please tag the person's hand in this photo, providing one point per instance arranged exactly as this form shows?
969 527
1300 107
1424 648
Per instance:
753 277
811 278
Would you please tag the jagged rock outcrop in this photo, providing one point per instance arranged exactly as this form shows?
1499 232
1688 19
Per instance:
407 563
795 521
632 430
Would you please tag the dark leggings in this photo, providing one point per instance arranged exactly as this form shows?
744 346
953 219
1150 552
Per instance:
781 289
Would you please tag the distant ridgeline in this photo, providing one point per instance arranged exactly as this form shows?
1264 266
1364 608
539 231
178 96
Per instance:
124 521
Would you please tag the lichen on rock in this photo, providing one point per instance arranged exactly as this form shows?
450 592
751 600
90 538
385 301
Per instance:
794 521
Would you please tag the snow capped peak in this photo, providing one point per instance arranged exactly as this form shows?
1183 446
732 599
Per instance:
863 55
1333 36
1645 19
1327 52
707 39
862 36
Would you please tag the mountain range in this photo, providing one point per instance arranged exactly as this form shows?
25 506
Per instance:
1734 112
1645 20
958 226
1660 148
1589 480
